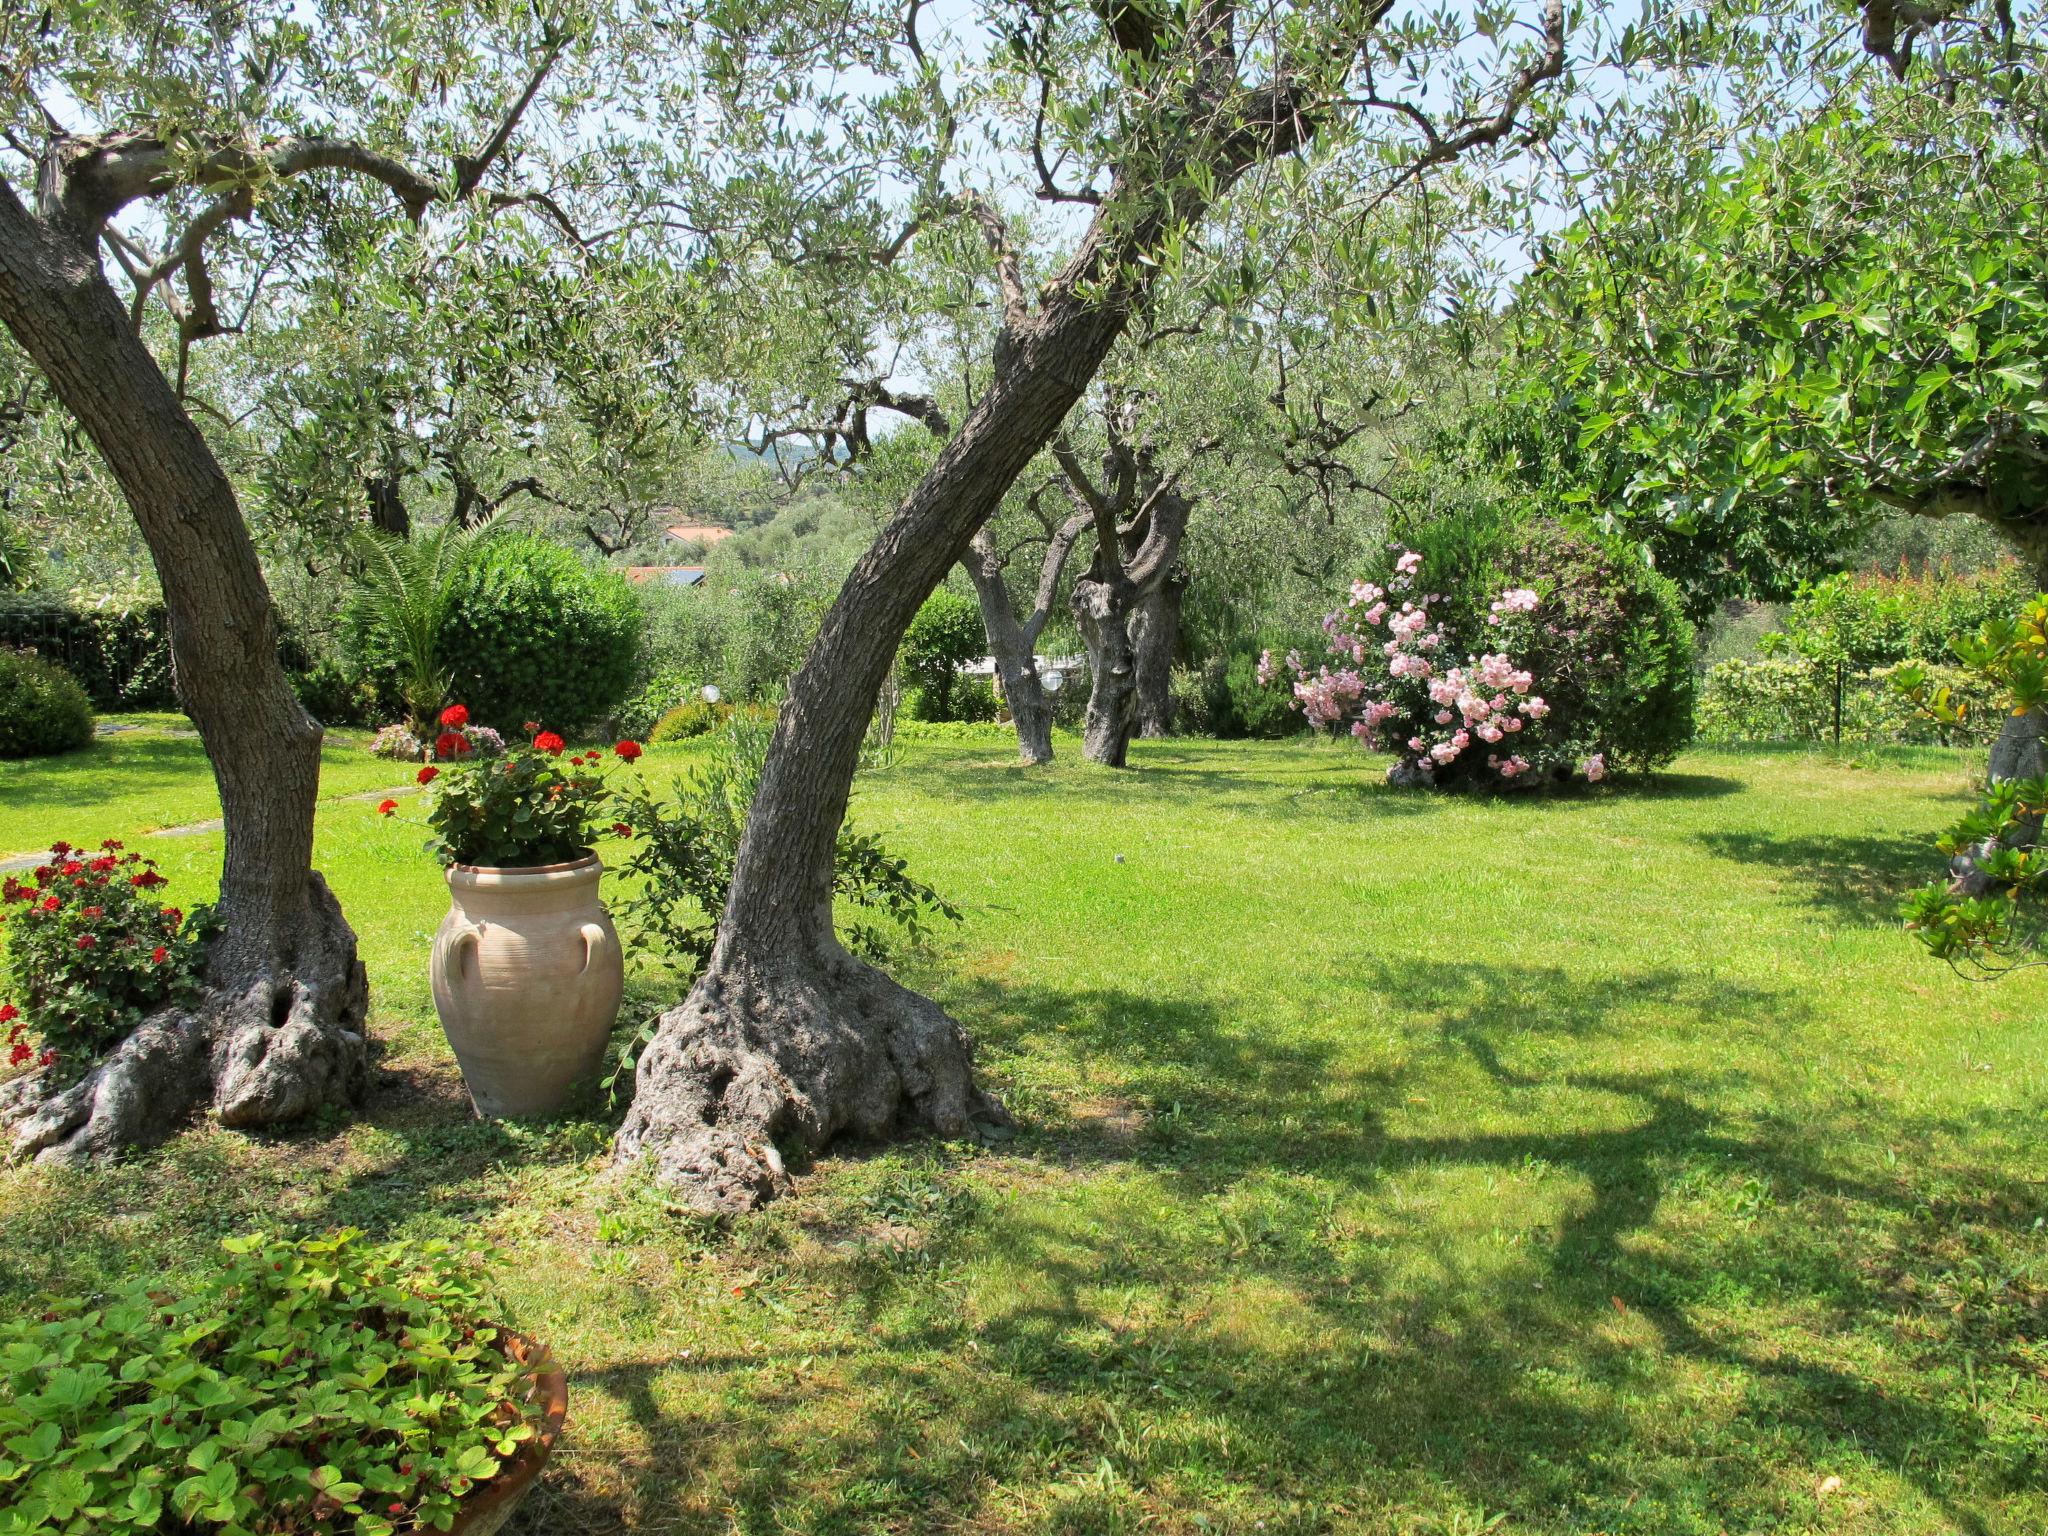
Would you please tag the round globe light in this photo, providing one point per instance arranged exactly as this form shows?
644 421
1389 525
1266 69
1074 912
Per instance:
1055 680
711 693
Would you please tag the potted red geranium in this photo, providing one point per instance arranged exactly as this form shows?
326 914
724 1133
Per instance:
527 972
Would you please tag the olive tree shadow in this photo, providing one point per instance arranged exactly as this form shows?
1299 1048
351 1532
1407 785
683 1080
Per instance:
1355 1341
1855 879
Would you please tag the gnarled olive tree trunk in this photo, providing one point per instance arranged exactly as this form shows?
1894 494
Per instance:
786 1041
280 1029
1013 642
1155 641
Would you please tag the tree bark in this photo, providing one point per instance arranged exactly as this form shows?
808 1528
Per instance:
1155 641
786 1041
1016 662
1014 642
1102 604
280 1031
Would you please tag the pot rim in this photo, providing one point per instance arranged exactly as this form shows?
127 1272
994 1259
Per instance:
497 1497
493 875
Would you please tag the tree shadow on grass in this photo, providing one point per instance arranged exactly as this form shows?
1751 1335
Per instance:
1859 880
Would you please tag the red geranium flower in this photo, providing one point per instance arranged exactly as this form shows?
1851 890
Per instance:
450 744
429 773
629 750
86 941
548 742
9 1013
50 904
60 849
147 880
620 829
455 716
387 807
159 955
19 1054
48 1058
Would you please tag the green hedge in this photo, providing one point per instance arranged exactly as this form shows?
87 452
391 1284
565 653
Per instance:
120 656
1793 700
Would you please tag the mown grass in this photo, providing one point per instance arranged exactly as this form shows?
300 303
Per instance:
1384 1164
147 774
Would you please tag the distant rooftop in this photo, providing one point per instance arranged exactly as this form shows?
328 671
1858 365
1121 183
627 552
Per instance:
697 533
666 575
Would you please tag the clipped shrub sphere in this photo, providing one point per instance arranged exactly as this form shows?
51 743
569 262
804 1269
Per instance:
43 710
536 634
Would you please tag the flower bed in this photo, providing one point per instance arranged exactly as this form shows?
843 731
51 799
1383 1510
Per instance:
327 1385
93 950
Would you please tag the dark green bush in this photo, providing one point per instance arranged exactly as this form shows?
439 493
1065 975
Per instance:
1614 650
535 634
945 634
1238 705
43 710
120 656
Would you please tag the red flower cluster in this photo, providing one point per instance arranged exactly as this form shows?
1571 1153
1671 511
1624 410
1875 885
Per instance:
549 742
455 717
429 773
386 807
629 751
79 933
451 744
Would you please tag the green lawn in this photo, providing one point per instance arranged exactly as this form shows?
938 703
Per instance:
1385 1164
148 774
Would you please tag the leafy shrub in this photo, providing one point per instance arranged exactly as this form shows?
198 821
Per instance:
43 711
668 689
690 719
745 630
1241 705
335 693
944 634
974 698
1537 654
954 730
525 807
692 841
1868 620
1987 919
533 633
120 656
93 951
323 1385
1791 699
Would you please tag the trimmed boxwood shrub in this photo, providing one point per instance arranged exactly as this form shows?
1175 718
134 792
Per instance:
536 634
43 710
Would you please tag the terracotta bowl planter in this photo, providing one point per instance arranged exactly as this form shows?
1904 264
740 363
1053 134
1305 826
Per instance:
527 978
486 1513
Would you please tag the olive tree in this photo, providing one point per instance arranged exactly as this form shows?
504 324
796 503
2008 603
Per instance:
1144 124
211 159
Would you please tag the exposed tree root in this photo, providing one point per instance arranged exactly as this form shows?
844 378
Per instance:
258 1052
764 1060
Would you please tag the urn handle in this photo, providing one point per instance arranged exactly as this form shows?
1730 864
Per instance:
463 941
594 941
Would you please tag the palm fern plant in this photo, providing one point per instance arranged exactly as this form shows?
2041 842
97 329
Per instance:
408 594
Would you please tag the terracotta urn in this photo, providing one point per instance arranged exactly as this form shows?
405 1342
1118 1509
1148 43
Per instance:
527 978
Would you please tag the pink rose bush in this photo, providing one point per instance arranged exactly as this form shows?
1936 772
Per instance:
1536 679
